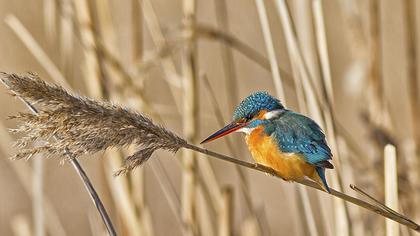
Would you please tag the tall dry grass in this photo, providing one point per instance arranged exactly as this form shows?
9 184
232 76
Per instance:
296 37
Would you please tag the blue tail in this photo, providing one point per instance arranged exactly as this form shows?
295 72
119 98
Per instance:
321 173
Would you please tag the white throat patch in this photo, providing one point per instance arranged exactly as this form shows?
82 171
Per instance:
245 130
273 114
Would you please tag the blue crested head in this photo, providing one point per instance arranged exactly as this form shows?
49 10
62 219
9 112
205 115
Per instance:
246 111
254 103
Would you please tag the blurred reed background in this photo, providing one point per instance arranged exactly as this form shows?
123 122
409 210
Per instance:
350 65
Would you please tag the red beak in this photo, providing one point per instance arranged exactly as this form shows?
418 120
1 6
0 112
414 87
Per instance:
232 127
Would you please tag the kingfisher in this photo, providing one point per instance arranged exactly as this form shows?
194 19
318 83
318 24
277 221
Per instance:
290 143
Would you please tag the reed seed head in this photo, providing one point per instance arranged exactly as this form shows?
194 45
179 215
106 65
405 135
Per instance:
65 121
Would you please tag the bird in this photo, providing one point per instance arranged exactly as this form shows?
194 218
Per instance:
291 144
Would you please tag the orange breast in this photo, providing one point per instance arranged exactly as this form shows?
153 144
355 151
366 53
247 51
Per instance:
265 151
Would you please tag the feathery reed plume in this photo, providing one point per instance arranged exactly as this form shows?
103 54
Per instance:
82 125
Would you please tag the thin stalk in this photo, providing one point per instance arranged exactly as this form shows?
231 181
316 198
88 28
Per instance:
227 56
244 186
85 179
91 63
317 105
66 35
20 226
226 214
205 212
169 192
137 31
307 212
370 207
50 7
24 174
120 191
132 188
56 75
159 40
190 119
173 80
321 40
38 197
409 8
348 174
391 187
268 38
36 50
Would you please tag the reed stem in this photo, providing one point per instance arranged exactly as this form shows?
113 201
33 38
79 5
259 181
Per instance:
85 179
368 206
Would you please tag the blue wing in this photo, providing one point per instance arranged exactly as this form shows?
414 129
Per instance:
296 133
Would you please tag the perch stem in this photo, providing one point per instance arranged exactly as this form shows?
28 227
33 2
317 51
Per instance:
395 217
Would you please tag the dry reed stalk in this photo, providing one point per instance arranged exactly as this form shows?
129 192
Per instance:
413 177
232 91
66 34
159 40
148 224
21 226
301 12
327 89
307 70
127 79
262 13
49 66
121 194
409 7
170 193
132 188
249 228
38 197
24 175
94 226
205 212
13 86
137 31
244 186
210 179
391 187
210 182
33 47
348 174
143 132
226 215
306 212
190 118
377 114
207 31
375 82
321 40
227 56
50 15
377 109
91 64
322 114
377 208
141 103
